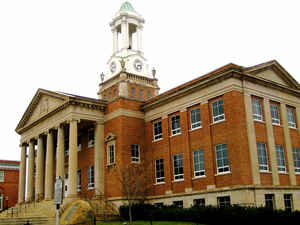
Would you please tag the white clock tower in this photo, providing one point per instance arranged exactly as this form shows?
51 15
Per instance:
127 63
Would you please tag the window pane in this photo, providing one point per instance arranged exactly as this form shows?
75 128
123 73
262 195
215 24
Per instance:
178 167
218 110
159 166
157 130
291 118
195 118
262 157
257 111
275 114
296 156
222 158
280 158
175 120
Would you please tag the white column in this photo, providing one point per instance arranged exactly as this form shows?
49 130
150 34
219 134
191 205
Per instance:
115 40
125 34
288 145
251 139
271 142
40 170
73 160
99 159
60 154
22 174
30 172
49 179
139 38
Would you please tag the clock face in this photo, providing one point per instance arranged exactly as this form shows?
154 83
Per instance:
113 67
138 65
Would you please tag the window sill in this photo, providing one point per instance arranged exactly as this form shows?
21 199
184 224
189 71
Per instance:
217 122
264 171
197 128
259 121
279 172
179 180
297 173
294 128
157 140
91 188
110 165
90 146
136 162
223 173
276 124
159 183
199 177
175 135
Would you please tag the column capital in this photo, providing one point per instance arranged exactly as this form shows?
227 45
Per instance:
73 120
23 144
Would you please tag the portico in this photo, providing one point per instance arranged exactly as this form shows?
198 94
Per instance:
50 130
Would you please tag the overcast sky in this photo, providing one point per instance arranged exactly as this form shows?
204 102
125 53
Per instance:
60 45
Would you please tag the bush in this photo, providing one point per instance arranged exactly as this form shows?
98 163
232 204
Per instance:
210 214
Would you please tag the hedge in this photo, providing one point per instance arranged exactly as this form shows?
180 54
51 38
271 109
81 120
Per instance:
210 214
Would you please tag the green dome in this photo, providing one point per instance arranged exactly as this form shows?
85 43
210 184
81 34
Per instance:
126 6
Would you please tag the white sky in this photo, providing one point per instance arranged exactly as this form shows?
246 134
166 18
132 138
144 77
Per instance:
60 45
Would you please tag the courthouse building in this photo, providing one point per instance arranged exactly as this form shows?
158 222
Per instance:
231 136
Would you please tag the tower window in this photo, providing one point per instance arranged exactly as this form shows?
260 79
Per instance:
111 154
133 92
135 153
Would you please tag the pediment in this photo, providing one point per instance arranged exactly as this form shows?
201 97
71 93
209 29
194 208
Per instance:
42 104
110 137
274 72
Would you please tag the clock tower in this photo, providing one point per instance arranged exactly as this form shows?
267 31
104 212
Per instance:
127 74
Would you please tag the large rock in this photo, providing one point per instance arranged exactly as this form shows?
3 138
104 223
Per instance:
79 212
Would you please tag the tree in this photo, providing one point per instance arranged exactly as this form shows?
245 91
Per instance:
134 185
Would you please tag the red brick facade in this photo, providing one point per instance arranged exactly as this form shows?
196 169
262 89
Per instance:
9 184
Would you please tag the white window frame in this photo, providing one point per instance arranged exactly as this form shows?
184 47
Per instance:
296 157
193 116
223 159
257 110
159 171
91 142
275 114
2 174
175 120
224 201
178 167
291 118
263 167
1 202
280 159
217 108
288 198
91 177
157 126
78 180
198 159
135 148
111 154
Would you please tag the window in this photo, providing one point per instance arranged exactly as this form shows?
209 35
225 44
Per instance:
149 94
91 139
198 163
115 92
178 204
262 157
222 158
111 154
159 204
223 201
157 130
178 167
269 201
275 114
195 118
280 158
141 93
257 109
296 156
135 153
288 202
218 110
133 92
110 96
1 202
175 120
199 202
66 144
104 97
78 180
291 118
159 171
79 143
91 177
1 176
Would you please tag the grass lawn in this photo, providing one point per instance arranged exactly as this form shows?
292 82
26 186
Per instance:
148 223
